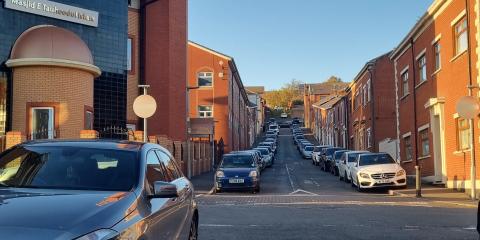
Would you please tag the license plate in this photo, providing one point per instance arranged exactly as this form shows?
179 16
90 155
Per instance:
236 180
384 181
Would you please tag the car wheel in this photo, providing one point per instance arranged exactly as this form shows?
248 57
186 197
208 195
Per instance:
194 229
340 178
351 181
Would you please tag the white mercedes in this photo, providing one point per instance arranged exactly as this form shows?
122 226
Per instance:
346 163
373 170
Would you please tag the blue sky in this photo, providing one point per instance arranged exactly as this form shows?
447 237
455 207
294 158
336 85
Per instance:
275 41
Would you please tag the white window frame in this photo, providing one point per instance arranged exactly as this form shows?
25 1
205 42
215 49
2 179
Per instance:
204 75
405 81
51 122
369 90
203 114
422 67
129 53
437 55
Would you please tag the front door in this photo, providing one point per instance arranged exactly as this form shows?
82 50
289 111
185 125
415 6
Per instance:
42 123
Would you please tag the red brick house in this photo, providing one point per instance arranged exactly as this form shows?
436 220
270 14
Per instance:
434 64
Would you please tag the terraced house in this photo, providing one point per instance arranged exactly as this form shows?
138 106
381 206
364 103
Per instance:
434 64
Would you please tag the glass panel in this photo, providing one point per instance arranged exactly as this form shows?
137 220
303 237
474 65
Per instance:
205 79
3 102
129 54
88 120
42 123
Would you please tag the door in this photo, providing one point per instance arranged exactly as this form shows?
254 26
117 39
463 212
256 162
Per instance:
163 214
185 194
42 123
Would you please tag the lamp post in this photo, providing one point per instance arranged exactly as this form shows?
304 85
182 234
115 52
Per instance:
144 106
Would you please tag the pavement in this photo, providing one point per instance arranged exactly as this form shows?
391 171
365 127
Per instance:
300 201
203 184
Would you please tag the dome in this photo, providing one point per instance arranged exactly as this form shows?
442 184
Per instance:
48 41
48 45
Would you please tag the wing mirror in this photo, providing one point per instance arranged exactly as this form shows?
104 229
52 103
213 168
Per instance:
355 164
164 190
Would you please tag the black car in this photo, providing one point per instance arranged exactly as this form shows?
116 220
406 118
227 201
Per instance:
94 189
326 158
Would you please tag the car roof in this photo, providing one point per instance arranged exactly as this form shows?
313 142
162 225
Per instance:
355 152
88 143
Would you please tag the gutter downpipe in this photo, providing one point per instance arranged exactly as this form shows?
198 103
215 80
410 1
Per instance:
418 180
373 136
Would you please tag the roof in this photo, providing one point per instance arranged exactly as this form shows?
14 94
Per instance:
434 9
367 65
222 55
324 88
328 102
256 89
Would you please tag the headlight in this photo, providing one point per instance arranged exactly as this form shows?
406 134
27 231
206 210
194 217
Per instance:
364 175
253 174
220 174
400 173
101 234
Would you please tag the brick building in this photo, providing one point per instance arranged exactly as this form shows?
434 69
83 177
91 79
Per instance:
371 110
325 125
219 93
434 64
315 92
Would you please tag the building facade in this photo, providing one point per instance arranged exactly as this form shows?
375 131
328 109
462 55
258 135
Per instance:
434 64
372 105
218 93
62 73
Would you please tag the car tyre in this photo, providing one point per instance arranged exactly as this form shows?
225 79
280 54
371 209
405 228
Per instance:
193 235
345 178
359 189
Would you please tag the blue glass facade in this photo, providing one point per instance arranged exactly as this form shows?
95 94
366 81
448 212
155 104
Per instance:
107 42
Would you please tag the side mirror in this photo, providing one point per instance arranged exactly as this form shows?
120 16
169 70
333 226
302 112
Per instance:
164 190
355 164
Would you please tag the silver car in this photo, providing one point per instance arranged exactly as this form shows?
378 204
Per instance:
95 190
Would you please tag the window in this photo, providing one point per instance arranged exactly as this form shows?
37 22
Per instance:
405 83
461 41
369 138
424 143
369 90
171 169
155 171
88 120
205 111
364 95
129 54
438 60
463 134
422 68
42 123
407 141
205 79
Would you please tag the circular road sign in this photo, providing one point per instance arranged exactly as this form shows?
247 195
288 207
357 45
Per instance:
468 107
144 106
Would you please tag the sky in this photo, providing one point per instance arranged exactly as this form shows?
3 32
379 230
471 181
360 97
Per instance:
275 41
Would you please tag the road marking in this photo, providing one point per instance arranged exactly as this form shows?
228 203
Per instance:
216 225
289 177
470 228
301 190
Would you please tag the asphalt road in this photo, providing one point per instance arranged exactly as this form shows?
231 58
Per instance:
299 201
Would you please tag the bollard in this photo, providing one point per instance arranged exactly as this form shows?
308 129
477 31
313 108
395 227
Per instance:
418 182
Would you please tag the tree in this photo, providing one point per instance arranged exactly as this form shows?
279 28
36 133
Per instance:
285 95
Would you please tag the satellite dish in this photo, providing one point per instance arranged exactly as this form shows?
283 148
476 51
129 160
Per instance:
144 106
468 107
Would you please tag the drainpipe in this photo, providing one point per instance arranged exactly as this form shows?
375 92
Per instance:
372 104
471 86
418 179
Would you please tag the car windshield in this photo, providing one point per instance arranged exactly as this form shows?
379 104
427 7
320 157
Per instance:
374 159
338 154
263 151
300 137
309 148
238 161
273 127
331 151
352 157
69 168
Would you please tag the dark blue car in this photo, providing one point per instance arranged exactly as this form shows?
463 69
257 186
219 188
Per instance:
238 171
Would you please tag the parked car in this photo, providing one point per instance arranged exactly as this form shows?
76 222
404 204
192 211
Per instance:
284 115
307 151
317 150
326 158
297 138
94 189
337 155
237 171
302 143
267 156
258 158
373 170
270 145
274 127
347 161
272 140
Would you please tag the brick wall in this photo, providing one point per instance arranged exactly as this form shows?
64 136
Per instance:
133 75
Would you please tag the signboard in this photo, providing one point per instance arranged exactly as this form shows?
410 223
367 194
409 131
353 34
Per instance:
144 106
55 10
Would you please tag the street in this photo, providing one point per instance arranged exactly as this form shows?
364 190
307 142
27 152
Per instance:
299 201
